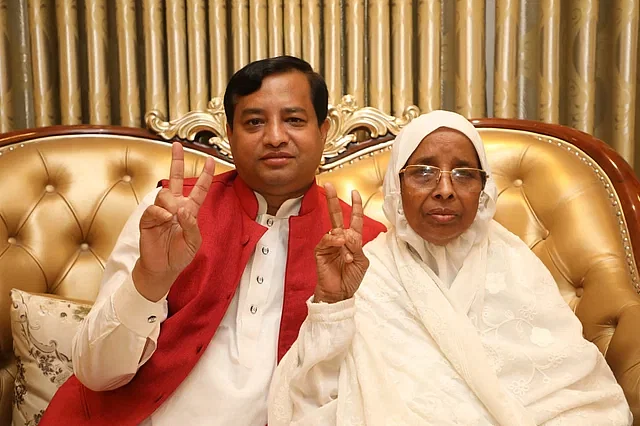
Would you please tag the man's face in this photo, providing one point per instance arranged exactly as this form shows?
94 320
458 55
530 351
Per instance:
276 141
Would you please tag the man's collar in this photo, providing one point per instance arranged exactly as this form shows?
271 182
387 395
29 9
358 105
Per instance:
249 202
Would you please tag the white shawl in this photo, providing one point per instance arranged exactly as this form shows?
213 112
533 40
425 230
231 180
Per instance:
487 339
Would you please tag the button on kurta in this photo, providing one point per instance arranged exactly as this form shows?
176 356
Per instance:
270 222
265 250
254 309
151 319
260 280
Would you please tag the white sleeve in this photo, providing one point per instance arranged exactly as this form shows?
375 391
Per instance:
304 390
121 331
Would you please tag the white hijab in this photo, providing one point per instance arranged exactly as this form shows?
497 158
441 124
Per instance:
447 260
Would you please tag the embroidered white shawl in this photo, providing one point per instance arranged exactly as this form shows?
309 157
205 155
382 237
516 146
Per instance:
486 340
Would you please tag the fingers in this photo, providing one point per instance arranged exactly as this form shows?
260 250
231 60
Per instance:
330 241
166 200
353 241
199 192
357 212
335 212
190 230
176 174
337 239
154 216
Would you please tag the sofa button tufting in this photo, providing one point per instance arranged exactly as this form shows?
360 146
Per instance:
11 240
126 178
84 246
49 188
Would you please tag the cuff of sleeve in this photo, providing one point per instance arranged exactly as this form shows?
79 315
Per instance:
331 312
135 312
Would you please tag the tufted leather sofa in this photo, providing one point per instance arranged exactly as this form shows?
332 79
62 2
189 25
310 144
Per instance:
65 193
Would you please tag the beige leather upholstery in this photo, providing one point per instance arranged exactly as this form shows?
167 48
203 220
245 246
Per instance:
64 199
558 204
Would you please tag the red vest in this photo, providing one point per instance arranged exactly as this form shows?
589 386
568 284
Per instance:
200 297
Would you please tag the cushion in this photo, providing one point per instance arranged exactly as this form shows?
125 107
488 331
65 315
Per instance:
43 327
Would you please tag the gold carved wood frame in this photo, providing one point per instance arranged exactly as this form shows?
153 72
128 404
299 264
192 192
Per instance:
353 132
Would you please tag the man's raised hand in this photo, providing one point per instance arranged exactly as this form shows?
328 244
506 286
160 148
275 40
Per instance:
169 233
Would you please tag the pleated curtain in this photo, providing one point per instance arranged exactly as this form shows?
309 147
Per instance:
572 62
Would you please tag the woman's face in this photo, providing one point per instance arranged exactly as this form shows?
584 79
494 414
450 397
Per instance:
442 213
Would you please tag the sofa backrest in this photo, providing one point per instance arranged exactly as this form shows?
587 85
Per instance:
65 194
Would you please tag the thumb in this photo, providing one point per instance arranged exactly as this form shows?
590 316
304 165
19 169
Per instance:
190 230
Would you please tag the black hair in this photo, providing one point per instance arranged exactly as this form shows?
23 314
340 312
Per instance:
249 80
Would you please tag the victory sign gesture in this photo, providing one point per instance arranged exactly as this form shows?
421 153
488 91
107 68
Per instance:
169 233
340 261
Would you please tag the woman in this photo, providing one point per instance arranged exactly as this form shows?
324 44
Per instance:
455 321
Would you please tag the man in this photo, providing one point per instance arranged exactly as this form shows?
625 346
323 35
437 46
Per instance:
224 263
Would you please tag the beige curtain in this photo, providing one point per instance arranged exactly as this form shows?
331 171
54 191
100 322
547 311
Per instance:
572 62
109 61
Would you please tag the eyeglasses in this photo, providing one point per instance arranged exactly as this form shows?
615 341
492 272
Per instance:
427 177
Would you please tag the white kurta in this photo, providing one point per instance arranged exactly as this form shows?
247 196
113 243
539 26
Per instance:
229 384
401 353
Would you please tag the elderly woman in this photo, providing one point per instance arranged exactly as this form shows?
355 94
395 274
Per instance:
454 321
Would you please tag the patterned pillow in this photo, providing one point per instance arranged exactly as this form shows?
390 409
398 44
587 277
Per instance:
43 327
